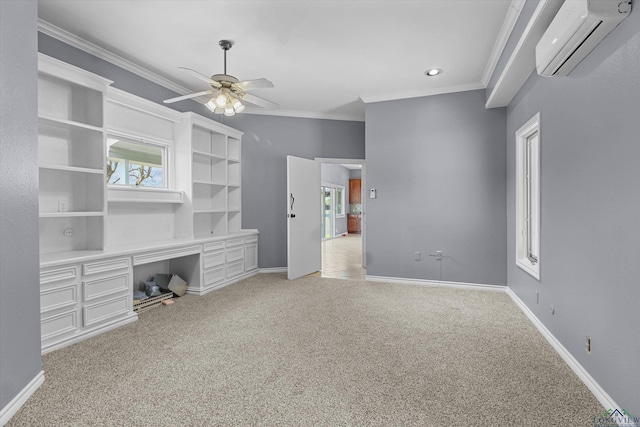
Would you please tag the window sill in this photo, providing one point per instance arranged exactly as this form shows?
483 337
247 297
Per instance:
529 268
144 195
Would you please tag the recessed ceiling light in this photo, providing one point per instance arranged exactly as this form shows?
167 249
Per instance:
432 72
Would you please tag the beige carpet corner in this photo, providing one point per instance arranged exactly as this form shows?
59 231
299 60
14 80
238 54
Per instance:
316 352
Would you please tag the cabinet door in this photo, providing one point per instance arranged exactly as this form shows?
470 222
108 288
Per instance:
355 189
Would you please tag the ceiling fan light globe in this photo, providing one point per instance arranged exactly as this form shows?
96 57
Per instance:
228 111
221 100
219 110
211 105
237 105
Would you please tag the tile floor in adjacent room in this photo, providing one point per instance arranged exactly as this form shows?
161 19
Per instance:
342 258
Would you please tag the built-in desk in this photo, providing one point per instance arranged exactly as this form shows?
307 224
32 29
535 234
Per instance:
86 293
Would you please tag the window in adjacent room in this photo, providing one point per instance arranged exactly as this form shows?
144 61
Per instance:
528 197
136 163
340 199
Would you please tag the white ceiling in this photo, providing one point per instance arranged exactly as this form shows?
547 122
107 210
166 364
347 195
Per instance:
324 57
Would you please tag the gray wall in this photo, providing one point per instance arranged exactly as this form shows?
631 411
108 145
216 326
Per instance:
338 175
265 145
590 186
438 164
20 359
355 173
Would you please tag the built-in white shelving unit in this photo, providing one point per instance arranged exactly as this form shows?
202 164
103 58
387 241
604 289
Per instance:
213 181
98 241
71 158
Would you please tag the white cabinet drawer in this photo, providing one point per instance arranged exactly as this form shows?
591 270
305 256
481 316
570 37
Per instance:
58 275
251 239
104 266
93 289
105 310
213 246
235 268
165 254
213 276
59 324
213 259
235 242
60 297
235 254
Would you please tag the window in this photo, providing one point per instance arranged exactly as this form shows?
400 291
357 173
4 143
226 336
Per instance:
528 197
340 201
136 163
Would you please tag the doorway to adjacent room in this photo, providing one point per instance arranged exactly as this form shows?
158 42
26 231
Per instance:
342 216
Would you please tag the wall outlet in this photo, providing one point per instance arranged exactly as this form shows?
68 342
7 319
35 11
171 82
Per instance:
168 227
587 344
417 256
68 232
438 255
63 206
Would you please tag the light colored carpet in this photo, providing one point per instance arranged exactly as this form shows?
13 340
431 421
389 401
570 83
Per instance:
316 352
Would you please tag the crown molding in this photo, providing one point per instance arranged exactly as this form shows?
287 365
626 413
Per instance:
304 115
515 8
378 97
86 46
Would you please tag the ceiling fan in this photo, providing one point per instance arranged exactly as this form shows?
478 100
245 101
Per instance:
227 92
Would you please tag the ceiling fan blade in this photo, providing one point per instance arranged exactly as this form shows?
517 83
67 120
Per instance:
254 84
202 77
191 95
260 102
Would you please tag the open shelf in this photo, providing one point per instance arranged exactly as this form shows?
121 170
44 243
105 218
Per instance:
234 222
87 234
233 170
209 224
208 197
65 100
67 145
78 190
209 169
234 149
209 142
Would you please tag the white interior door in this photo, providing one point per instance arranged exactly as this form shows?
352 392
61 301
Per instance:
304 251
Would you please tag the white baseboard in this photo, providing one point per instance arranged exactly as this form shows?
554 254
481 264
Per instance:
436 283
605 400
16 403
274 270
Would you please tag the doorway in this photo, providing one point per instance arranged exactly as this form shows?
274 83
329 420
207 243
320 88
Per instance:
342 243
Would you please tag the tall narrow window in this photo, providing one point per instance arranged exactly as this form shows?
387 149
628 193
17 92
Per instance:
528 197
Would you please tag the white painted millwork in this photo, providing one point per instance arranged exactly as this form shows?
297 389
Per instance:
304 251
528 197
94 255
72 196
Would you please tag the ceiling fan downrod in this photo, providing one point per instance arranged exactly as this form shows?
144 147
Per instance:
225 45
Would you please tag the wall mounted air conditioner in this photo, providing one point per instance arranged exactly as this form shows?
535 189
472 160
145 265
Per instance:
577 28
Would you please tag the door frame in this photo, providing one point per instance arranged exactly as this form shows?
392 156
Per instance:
363 217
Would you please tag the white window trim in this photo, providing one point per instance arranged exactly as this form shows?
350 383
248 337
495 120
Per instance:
528 198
